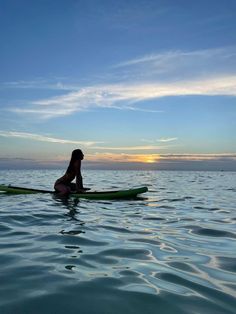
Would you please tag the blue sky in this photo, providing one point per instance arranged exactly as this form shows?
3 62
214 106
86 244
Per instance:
135 84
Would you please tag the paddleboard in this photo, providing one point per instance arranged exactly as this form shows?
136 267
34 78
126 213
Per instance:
102 195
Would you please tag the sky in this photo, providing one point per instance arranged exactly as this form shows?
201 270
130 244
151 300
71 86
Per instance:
135 84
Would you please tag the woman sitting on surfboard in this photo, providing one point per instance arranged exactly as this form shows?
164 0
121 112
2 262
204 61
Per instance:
64 184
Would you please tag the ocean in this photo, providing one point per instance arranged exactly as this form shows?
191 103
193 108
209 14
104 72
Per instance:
173 250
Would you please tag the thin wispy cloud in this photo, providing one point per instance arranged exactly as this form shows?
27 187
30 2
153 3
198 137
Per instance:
42 138
164 140
175 63
210 72
179 66
132 148
45 84
88 144
171 65
185 56
170 139
126 96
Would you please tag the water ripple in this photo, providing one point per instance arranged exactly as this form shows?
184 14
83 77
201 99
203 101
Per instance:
172 251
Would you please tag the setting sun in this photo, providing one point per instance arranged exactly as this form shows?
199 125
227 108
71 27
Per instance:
150 159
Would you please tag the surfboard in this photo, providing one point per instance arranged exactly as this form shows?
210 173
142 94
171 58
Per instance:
102 195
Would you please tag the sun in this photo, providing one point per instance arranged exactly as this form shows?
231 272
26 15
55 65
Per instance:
150 159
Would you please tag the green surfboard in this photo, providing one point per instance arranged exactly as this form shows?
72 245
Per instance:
101 195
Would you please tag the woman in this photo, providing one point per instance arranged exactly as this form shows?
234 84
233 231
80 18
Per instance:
64 184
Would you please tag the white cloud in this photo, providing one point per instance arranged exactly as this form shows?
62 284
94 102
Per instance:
91 145
210 72
168 139
126 96
162 140
132 148
171 65
52 84
174 56
42 138
179 66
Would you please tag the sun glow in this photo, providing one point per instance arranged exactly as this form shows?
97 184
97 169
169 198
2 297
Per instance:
112 157
150 160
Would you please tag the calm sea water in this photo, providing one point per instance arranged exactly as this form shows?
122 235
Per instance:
172 251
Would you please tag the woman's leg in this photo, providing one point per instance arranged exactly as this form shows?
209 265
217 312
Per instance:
72 187
62 189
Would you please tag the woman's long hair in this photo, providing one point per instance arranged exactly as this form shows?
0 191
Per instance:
77 154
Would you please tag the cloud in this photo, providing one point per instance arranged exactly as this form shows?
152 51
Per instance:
157 158
199 157
88 144
53 84
145 161
170 139
171 65
121 157
131 148
42 138
163 140
178 55
126 96
210 72
132 161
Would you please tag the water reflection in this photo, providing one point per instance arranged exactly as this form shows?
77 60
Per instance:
71 204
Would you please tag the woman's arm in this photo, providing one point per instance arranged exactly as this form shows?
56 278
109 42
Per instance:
79 179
